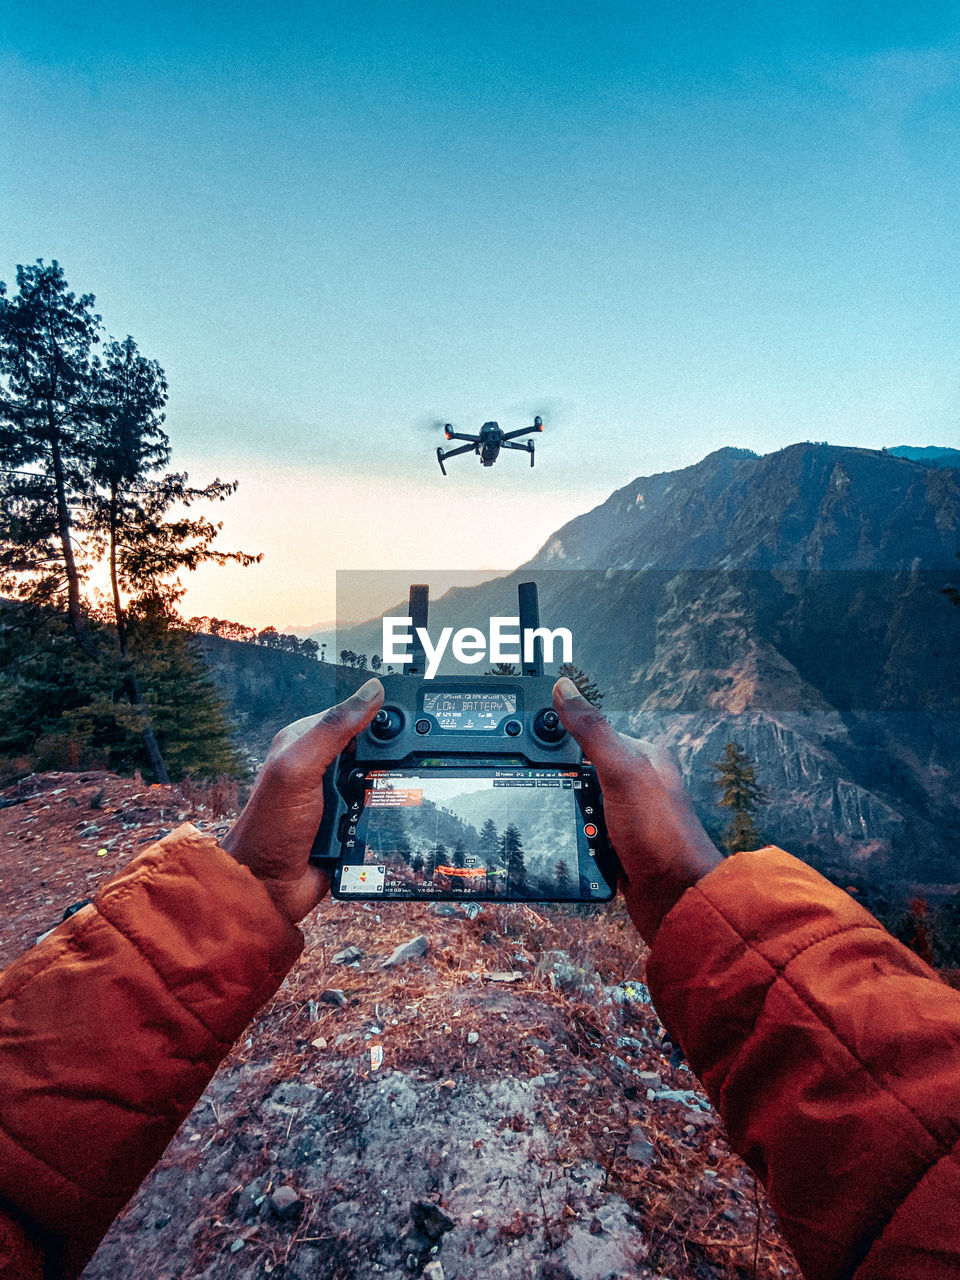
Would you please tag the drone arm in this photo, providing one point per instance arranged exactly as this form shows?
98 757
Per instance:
459 435
452 453
524 448
512 435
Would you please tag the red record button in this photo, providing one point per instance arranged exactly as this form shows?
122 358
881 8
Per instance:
590 830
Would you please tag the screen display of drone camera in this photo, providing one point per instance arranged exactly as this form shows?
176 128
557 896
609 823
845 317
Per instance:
458 711
460 832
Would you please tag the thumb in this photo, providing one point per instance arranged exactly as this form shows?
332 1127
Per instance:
582 719
601 744
308 746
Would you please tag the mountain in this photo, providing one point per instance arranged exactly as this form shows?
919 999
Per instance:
792 603
931 455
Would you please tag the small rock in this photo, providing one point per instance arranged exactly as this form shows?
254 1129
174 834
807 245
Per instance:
319 1043
629 993
642 1152
162 1221
349 955
696 1118
444 909
333 996
407 951
471 911
286 1203
596 1227
430 1219
237 1246
650 1079
249 1200
96 800
500 975
433 1271
473 1037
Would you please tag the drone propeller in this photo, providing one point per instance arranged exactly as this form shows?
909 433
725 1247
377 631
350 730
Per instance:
553 410
429 424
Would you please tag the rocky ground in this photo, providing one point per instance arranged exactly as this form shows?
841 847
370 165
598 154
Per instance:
498 1101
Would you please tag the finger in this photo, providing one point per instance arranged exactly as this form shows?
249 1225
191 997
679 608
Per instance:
617 760
318 740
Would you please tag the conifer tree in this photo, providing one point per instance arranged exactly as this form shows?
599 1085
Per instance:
489 845
47 336
511 853
459 854
562 879
438 858
742 795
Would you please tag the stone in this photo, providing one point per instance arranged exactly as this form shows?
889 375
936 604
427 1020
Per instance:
471 911
430 1219
286 1202
629 993
473 1037
649 1079
334 996
409 950
642 1152
444 909
433 1271
349 955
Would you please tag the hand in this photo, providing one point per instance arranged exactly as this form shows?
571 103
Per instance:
659 840
274 834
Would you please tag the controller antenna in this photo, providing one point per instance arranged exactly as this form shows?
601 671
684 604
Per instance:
530 621
418 608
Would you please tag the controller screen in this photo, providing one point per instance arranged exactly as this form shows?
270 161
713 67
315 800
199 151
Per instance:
465 711
456 832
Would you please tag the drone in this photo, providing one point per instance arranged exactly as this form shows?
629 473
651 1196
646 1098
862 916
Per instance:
488 443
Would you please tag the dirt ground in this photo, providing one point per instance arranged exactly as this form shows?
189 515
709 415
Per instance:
529 1118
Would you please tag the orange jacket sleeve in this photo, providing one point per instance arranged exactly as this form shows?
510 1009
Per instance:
833 1056
109 1031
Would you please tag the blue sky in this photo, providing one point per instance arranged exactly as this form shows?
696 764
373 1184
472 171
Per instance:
674 226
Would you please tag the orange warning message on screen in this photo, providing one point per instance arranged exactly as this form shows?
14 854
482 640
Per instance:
395 798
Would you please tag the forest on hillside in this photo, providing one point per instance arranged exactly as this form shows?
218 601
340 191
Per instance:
90 675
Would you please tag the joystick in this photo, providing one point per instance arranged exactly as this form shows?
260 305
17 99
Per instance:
386 724
547 725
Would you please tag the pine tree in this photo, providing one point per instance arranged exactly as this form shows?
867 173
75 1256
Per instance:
416 863
742 794
562 879
459 854
511 853
583 682
437 858
489 845
47 336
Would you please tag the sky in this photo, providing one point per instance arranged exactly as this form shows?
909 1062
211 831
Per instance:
666 228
